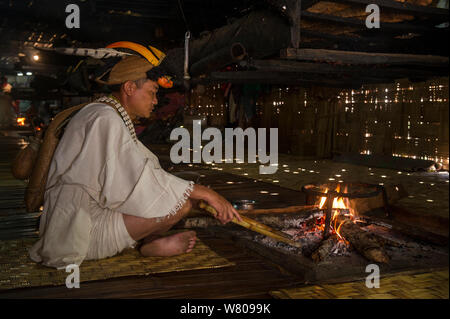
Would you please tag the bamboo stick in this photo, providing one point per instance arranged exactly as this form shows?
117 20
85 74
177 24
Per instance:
255 226
249 221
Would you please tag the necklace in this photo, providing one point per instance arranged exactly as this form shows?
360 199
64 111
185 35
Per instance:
119 108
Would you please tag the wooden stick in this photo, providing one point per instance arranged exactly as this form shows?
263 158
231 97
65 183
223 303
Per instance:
283 210
255 226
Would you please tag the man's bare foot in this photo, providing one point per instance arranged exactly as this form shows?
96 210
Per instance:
172 245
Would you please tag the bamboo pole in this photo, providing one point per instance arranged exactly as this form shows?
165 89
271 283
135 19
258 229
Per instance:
256 227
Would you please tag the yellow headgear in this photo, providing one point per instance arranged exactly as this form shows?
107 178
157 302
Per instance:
152 55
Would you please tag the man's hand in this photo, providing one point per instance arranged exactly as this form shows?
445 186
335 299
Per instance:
225 211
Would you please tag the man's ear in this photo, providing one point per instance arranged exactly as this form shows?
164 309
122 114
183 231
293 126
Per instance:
129 87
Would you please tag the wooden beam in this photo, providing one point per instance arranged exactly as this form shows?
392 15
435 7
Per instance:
360 23
380 43
306 4
343 70
353 41
282 5
422 45
289 78
350 57
403 7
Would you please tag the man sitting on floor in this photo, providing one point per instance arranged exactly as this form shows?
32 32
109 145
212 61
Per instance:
106 191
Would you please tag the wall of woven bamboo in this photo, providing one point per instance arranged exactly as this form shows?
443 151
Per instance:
402 118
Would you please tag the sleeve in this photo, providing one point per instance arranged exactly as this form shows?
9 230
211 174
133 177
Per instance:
134 184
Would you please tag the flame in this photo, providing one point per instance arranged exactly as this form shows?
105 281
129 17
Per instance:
339 203
338 232
21 121
323 200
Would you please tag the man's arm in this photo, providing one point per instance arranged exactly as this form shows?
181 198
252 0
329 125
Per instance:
225 211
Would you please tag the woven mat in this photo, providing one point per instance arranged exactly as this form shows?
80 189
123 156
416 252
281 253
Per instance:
17 270
431 285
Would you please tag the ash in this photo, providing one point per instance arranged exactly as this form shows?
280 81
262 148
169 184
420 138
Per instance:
306 231
341 249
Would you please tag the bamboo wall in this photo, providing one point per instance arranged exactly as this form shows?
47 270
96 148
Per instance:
208 101
402 118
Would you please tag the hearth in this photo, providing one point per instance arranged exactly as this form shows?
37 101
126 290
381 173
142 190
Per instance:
344 249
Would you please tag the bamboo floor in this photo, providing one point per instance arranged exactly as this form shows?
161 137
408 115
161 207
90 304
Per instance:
430 285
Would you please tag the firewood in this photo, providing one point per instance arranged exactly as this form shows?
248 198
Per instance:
324 250
364 242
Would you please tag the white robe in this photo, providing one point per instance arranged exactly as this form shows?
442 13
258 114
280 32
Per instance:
97 158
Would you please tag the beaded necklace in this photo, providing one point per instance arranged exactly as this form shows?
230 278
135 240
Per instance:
123 113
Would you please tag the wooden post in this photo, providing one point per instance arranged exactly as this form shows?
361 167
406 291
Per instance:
294 12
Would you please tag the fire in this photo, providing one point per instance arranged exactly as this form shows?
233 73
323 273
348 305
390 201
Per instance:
339 203
21 121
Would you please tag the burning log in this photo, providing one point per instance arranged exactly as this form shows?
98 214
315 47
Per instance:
321 253
364 242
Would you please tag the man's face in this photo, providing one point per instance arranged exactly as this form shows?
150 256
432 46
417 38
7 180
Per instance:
143 99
